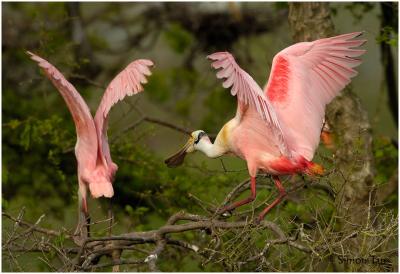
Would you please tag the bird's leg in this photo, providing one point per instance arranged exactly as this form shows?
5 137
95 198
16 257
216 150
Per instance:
87 218
244 201
82 231
110 217
282 193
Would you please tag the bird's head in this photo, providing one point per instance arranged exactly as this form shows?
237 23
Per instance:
194 143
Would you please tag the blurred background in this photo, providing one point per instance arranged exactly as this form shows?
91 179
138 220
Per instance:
91 42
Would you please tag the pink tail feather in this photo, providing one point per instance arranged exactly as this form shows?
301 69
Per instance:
102 188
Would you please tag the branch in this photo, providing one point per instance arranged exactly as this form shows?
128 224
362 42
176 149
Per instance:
93 248
36 228
157 122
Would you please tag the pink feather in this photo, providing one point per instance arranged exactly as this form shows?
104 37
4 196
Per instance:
278 130
248 93
126 83
92 134
85 128
315 72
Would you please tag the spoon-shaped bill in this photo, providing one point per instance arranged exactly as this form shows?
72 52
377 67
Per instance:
178 158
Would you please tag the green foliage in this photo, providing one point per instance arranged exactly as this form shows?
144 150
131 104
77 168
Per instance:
42 142
218 100
175 88
389 36
154 186
158 89
178 38
386 159
38 132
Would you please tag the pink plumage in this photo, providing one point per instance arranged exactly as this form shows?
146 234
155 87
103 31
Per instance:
127 83
95 168
304 78
278 130
248 92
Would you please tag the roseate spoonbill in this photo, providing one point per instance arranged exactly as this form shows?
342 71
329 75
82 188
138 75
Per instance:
96 170
277 130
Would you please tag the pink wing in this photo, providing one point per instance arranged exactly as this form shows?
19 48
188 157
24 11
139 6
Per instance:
85 128
128 82
304 78
249 94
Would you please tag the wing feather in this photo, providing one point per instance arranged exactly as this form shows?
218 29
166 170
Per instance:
85 128
313 74
247 91
126 83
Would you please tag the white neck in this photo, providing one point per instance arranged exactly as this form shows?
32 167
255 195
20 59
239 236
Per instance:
209 149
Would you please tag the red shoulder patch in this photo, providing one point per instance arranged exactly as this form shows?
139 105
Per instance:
278 87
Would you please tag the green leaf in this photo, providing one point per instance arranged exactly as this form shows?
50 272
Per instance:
13 124
129 209
141 210
388 35
25 140
59 241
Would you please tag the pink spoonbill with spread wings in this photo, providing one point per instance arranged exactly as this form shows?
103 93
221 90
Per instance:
96 170
277 130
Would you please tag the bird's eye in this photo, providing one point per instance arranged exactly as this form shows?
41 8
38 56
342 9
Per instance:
201 134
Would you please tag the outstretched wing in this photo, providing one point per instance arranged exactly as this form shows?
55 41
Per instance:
128 82
304 78
248 93
85 128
